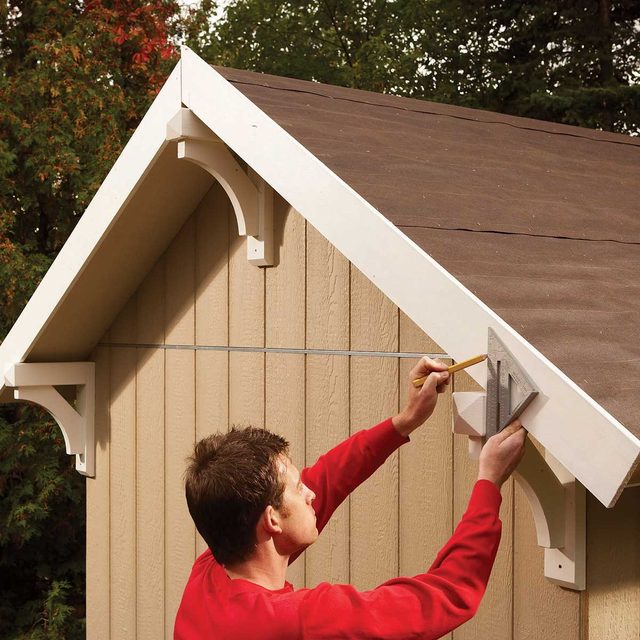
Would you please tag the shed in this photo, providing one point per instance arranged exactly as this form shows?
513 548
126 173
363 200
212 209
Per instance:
277 252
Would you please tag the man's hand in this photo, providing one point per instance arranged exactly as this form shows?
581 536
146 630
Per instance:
422 401
502 453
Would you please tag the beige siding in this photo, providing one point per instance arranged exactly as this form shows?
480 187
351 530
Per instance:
327 414
150 458
98 584
426 480
613 568
123 477
212 319
179 399
153 403
327 392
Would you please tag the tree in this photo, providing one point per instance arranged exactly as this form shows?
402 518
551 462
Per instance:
575 62
76 78
355 43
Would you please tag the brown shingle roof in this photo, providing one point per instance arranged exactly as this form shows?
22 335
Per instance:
540 220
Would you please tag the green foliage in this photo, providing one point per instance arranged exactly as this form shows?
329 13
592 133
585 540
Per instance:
576 62
356 43
66 68
41 530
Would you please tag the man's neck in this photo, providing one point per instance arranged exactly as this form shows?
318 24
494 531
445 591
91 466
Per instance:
266 567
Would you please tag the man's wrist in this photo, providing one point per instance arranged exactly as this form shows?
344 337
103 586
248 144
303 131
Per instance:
403 425
490 478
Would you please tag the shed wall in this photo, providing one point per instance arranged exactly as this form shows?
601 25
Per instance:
197 348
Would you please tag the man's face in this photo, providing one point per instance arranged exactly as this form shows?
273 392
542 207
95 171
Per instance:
298 516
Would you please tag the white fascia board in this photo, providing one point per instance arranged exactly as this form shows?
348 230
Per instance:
598 450
128 172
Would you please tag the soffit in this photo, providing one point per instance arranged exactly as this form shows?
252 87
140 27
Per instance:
152 217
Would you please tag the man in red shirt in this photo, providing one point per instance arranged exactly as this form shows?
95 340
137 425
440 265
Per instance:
257 513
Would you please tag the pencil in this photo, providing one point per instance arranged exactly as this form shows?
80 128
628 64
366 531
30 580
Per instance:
418 382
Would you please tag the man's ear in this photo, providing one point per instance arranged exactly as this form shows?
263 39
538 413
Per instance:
271 521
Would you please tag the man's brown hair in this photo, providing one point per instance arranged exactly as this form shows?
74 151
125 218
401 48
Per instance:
231 479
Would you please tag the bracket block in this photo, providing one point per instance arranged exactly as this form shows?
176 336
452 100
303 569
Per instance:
505 381
36 382
567 565
469 418
250 195
260 249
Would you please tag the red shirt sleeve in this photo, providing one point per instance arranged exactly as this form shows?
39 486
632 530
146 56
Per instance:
425 606
342 469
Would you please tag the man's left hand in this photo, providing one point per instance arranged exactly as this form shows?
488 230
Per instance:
422 401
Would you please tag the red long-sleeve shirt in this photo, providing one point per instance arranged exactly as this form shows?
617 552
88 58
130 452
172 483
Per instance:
425 606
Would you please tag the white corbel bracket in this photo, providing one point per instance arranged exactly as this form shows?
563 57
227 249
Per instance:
250 195
36 382
556 498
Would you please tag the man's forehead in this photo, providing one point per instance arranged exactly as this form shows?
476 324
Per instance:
286 467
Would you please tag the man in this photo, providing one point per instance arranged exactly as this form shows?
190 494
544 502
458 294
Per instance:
257 513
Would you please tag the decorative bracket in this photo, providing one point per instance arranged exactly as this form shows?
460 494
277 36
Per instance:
556 498
250 195
36 382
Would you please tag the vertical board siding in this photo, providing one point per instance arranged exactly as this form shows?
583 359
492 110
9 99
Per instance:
285 415
327 392
212 317
212 402
212 269
150 383
426 486
123 518
613 568
495 616
327 409
374 318
328 281
98 511
152 404
246 329
374 505
285 327
374 397
150 463
180 539
285 285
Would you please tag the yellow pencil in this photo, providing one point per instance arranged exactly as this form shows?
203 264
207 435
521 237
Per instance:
418 382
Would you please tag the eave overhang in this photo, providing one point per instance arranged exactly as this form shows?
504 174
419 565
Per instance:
589 442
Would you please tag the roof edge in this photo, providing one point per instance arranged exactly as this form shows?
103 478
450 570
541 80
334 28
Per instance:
579 432
128 172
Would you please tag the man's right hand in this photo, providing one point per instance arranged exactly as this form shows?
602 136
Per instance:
502 453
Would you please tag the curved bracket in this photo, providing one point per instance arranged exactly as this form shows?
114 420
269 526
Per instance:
556 499
545 494
215 158
251 197
36 382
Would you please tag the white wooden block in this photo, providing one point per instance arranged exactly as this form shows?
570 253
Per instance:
469 413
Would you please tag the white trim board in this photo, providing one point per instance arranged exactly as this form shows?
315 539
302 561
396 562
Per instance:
126 175
585 438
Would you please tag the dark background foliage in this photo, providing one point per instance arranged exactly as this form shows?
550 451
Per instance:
77 77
